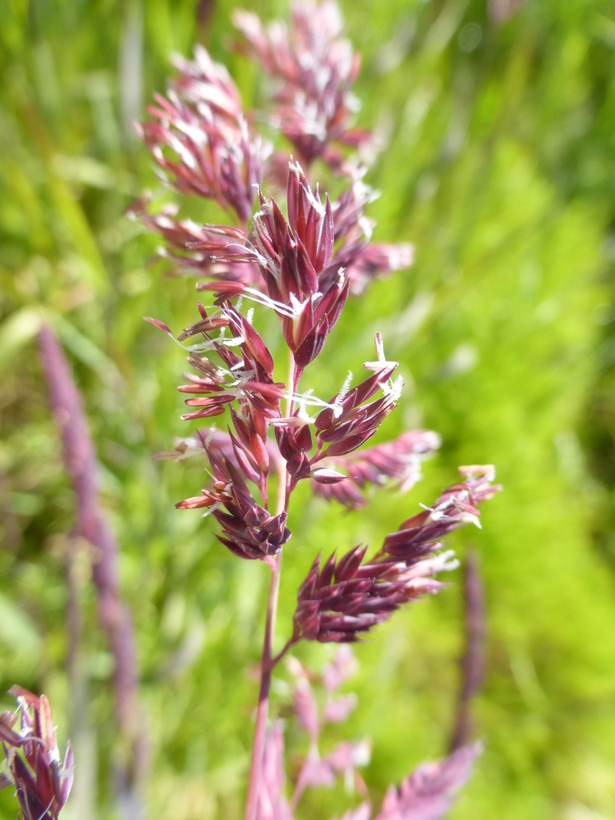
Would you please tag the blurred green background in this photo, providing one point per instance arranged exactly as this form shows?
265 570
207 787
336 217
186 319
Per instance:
500 167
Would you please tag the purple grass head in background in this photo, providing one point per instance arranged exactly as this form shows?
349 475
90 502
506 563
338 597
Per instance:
34 767
300 259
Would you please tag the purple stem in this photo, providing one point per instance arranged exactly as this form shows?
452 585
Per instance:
82 467
473 659
294 638
262 710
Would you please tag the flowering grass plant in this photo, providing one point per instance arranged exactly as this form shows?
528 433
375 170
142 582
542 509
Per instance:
298 254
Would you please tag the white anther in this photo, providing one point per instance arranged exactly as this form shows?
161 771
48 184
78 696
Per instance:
393 389
337 404
212 509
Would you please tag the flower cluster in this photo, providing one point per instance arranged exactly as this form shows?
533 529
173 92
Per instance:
195 250
300 255
429 790
316 770
242 458
292 256
201 124
399 461
248 530
203 145
301 260
34 767
272 803
347 597
316 69
344 758
362 259
426 794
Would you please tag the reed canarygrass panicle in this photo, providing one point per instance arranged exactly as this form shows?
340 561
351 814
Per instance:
33 763
300 260
299 255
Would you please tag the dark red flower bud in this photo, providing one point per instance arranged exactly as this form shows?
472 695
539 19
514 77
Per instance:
298 466
324 476
198 502
206 325
244 460
312 345
311 222
41 781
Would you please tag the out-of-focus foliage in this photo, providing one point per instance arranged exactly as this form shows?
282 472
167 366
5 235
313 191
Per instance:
500 166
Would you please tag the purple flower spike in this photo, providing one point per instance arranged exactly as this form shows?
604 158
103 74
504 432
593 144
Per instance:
348 422
427 794
34 767
316 69
299 257
200 139
292 256
361 260
272 804
343 599
248 530
420 535
399 461
346 598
